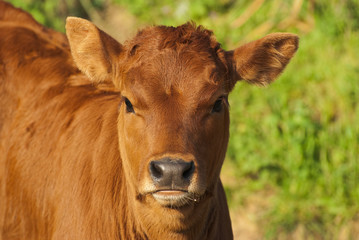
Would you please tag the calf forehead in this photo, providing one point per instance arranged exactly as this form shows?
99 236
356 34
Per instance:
185 58
176 78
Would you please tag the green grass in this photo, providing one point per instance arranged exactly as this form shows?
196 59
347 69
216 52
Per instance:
299 137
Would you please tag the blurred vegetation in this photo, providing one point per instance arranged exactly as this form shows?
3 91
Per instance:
298 139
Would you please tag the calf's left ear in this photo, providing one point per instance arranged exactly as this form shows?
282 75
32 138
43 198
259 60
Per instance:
261 61
93 51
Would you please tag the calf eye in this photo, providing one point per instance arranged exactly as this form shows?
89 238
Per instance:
129 107
217 107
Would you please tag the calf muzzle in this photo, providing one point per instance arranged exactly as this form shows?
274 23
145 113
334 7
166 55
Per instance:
171 174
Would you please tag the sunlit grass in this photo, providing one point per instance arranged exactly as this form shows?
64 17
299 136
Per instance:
301 136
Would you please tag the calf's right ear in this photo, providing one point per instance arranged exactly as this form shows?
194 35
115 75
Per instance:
93 51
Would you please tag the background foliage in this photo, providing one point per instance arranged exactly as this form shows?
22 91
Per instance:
293 160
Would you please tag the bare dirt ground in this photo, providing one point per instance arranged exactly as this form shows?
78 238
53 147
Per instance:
118 22
246 212
244 223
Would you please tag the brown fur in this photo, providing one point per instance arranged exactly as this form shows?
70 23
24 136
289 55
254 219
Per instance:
74 163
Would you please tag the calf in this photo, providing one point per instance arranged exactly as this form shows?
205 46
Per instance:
102 140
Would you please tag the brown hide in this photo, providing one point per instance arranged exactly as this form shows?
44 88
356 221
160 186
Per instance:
112 141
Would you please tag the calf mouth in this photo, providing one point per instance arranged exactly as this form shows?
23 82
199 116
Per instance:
173 182
174 198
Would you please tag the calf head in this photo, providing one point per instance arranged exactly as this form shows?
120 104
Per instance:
173 120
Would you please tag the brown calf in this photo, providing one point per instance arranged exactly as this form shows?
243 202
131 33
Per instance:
130 146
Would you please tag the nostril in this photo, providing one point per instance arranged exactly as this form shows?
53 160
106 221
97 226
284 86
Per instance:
171 173
188 170
156 170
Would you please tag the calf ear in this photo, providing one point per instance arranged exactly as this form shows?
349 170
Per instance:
93 51
261 61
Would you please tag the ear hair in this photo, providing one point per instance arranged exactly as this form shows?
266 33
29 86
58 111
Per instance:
261 61
93 51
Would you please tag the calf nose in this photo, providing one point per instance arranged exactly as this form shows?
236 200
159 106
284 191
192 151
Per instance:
170 173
